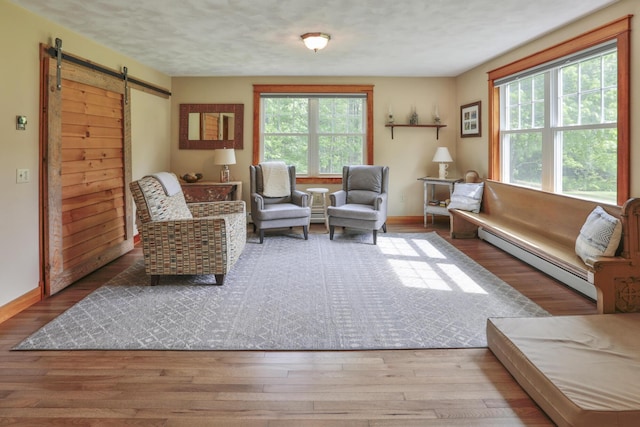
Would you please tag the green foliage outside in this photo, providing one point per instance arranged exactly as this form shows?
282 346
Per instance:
587 102
333 126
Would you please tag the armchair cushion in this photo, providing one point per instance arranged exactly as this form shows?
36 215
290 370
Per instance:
354 211
161 206
365 177
279 211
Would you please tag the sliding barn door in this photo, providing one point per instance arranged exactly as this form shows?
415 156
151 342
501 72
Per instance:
86 170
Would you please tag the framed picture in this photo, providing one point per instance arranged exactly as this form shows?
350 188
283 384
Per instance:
470 123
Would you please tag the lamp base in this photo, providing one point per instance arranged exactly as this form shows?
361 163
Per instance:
225 175
443 170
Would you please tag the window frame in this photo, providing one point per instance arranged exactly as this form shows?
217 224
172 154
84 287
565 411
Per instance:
618 30
258 90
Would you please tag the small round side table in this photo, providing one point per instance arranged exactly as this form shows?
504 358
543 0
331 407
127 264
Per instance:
316 192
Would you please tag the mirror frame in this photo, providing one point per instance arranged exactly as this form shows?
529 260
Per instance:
191 144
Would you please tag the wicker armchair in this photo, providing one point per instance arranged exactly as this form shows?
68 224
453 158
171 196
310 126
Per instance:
187 239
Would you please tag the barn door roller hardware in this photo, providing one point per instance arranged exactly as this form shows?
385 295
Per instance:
126 84
56 52
59 63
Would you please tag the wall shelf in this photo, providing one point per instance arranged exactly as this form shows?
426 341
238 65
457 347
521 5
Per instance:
416 126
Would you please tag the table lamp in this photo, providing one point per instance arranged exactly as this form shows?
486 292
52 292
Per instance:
225 157
443 157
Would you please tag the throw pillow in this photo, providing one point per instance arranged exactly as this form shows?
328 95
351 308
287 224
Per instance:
599 236
467 196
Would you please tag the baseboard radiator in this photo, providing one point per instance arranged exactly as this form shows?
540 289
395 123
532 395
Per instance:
579 284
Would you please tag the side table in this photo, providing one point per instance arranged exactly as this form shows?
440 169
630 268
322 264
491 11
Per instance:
317 192
429 192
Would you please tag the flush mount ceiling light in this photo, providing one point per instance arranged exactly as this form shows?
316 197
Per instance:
315 41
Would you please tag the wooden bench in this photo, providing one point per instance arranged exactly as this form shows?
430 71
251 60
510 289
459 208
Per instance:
542 228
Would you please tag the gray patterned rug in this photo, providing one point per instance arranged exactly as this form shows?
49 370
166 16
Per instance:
410 291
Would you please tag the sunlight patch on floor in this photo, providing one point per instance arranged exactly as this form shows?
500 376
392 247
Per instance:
396 246
419 274
428 249
460 278
433 273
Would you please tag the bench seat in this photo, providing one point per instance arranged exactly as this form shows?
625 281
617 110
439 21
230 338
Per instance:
581 370
546 225
532 240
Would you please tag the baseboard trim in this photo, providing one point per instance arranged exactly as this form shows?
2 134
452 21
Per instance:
404 220
19 304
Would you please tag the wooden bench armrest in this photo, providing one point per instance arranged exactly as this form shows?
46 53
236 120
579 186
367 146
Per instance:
617 284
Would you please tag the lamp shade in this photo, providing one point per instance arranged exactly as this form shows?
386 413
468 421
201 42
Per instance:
315 41
442 155
225 156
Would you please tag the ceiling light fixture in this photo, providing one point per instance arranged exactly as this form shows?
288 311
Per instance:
315 41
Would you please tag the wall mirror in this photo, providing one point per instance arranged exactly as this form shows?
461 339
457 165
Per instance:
211 126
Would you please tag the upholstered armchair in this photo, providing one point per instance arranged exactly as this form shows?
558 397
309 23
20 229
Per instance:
279 207
362 202
186 239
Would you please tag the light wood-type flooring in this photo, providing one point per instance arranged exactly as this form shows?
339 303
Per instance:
464 387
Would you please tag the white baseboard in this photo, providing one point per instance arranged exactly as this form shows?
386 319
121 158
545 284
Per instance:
569 279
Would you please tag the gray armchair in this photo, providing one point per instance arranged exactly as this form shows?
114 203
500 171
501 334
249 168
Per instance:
291 210
362 202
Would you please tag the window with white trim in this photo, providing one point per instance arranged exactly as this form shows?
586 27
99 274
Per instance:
318 133
558 125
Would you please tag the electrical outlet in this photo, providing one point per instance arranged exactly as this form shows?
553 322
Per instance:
22 176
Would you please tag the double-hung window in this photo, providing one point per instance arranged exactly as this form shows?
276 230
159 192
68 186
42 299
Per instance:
318 132
560 123
559 126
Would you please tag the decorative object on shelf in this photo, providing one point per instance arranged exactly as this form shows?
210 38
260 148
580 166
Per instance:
225 157
436 115
470 123
390 118
191 177
413 120
443 157
315 41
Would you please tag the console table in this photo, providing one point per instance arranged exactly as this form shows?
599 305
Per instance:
429 184
209 191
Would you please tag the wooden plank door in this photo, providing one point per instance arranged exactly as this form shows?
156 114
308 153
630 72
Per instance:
86 171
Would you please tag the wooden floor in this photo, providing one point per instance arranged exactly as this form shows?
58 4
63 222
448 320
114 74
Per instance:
466 387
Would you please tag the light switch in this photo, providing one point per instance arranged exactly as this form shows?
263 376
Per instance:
22 176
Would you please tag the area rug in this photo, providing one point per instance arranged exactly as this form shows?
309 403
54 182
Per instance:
410 291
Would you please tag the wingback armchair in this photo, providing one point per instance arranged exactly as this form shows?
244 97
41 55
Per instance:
362 202
284 210
186 239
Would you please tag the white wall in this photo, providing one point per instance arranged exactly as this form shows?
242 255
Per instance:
19 95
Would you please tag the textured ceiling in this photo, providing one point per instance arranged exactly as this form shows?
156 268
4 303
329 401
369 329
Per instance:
262 37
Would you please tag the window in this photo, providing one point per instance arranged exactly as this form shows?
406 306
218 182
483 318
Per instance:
559 128
319 129
562 118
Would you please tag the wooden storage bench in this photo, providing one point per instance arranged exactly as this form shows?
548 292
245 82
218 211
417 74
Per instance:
546 226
